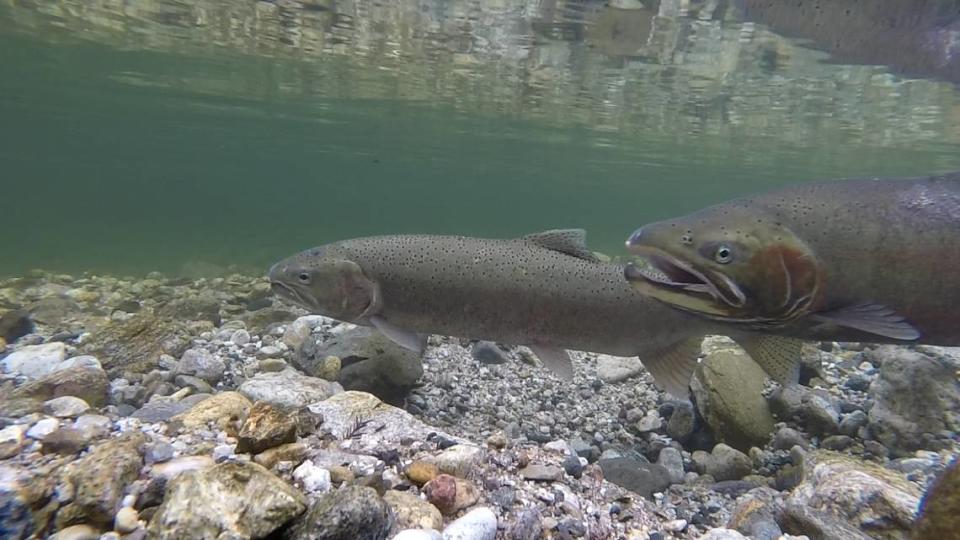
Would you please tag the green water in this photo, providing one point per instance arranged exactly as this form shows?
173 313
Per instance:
163 136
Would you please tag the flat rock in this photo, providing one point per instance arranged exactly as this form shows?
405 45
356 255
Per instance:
349 513
34 360
542 473
637 476
223 409
66 407
612 369
727 387
266 427
64 441
100 477
862 496
288 389
87 383
488 352
412 512
135 344
371 424
229 500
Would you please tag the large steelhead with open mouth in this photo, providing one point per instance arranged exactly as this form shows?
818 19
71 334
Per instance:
547 291
874 260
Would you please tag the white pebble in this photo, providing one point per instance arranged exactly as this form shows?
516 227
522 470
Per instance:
66 407
477 524
418 534
314 479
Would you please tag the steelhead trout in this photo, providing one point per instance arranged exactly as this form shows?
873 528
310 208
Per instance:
546 291
873 260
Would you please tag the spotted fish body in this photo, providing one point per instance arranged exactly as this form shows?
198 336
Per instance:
874 260
546 291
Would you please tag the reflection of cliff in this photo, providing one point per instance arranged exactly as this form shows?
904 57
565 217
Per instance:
675 67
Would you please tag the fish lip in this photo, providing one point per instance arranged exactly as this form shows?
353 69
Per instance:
664 271
289 293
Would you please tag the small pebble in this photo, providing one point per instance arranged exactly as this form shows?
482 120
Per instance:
127 520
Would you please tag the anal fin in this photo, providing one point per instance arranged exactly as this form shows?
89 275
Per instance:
555 359
672 367
778 356
873 319
404 338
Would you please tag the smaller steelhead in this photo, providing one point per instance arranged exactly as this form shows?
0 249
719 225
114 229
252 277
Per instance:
848 260
546 291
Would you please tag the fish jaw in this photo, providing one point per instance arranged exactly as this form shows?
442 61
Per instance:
669 279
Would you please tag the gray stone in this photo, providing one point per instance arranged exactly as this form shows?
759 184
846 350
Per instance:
159 452
488 352
638 476
42 428
915 398
528 526
727 463
819 414
845 494
612 369
682 422
203 364
229 500
349 513
66 407
727 388
850 424
34 360
672 461
370 362
196 384
23 498
786 438
84 360
836 442
159 410
288 389
201 307
650 422
477 524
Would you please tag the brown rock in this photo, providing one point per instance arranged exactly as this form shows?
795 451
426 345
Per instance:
339 474
77 532
940 508
421 472
64 441
226 410
412 512
451 494
266 427
100 477
293 452
135 345
85 382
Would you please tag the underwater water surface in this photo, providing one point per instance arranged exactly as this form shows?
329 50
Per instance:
192 137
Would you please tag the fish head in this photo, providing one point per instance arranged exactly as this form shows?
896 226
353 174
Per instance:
325 281
729 263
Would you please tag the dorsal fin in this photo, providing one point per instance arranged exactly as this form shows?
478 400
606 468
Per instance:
570 241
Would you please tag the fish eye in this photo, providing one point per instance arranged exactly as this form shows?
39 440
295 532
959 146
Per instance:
723 254
304 278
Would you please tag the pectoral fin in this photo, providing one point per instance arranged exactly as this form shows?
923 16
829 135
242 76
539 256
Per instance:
404 338
873 319
555 359
778 356
673 366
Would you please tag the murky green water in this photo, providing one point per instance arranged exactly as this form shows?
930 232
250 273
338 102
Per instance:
182 137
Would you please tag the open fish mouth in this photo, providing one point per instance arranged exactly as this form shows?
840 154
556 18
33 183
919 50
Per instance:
678 282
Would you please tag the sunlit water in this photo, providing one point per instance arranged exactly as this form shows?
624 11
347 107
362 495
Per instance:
187 137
